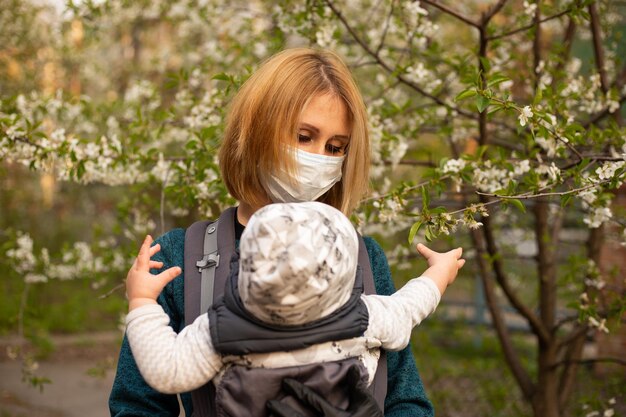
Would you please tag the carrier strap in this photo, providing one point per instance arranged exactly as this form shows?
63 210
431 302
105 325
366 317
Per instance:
196 235
207 265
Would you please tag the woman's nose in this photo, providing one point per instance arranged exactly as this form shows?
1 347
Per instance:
318 148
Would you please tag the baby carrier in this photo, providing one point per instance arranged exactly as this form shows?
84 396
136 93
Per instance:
210 286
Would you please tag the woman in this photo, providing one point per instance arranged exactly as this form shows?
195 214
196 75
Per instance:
296 131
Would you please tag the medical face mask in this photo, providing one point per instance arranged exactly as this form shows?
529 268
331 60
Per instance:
315 174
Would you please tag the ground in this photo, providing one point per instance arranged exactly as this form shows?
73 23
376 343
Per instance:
81 371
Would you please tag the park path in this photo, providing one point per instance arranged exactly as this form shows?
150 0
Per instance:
73 391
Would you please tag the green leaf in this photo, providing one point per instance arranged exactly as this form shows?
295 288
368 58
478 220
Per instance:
482 103
565 199
481 151
430 235
425 198
497 79
222 76
414 229
495 108
486 64
538 97
470 92
517 203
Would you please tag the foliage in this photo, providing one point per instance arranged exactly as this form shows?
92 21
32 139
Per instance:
486 128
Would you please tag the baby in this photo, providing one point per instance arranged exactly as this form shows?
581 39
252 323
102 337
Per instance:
298 264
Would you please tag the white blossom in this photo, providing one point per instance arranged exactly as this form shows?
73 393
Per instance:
525 113
414 8
521 168
418 73
612 105
597 216
23 254
161 170
454 166
260 49
324 36
549 145
607 170
32 278
473 224
600 325
390 211
530 8
552 171
595 283
489 178
588 196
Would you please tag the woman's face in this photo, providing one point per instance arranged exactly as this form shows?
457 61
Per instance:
324 128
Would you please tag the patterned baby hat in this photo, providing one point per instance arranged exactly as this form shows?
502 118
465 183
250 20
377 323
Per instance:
297 262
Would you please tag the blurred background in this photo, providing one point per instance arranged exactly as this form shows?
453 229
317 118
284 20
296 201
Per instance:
496 125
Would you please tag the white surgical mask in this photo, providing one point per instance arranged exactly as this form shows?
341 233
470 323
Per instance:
315 174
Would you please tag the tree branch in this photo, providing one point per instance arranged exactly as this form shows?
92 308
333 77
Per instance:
482 53
384 35
512 358
568 376
598 49
492 12
618 361
452 13
523 28
568 39
537 45
577 332
25 140
503 281
388 68
556 193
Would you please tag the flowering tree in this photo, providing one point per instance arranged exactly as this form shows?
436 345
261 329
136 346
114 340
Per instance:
484 123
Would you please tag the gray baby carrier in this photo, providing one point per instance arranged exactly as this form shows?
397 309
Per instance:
210 285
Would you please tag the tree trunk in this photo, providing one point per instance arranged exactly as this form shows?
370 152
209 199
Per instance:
545 400
546 397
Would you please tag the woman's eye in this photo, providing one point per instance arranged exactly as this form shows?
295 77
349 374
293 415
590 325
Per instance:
334 149
303 138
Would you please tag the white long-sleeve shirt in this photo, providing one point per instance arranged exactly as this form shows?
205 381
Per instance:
174 363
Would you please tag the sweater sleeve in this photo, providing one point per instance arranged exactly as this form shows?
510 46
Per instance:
130 394
393 317
170 362
405 392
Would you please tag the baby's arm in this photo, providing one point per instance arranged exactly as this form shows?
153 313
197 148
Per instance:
392 318
170 363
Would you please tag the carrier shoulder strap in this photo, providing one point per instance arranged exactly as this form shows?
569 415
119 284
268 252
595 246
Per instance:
207 263
206 242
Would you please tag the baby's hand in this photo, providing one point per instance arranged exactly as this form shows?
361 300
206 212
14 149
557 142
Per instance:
443 267
141 286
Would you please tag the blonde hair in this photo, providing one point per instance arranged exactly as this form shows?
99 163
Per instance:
265 114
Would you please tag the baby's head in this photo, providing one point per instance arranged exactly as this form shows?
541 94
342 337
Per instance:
297 262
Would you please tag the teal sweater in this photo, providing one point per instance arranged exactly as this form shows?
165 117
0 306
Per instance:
131 396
